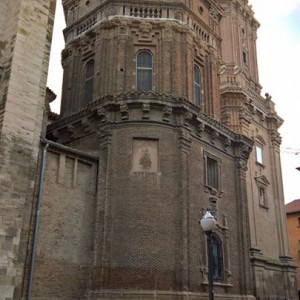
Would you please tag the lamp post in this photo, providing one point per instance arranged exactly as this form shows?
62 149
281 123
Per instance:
208 224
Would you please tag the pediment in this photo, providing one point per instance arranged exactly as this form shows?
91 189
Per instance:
262 180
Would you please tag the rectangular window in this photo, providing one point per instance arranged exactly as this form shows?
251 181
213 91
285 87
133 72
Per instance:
197 85
245 57
259 155
212 173
262 197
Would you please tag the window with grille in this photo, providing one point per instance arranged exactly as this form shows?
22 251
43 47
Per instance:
144 71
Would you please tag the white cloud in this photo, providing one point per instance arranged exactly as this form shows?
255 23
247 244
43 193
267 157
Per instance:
274 10
55 73
278 60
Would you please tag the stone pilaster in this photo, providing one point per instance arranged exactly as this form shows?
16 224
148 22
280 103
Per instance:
244 150
103 207
184 141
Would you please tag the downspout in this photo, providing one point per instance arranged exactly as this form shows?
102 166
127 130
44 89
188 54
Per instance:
37 219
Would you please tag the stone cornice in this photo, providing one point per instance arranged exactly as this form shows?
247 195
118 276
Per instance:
145 108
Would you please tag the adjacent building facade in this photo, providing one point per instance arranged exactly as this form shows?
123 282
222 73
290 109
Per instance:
161 118
293 224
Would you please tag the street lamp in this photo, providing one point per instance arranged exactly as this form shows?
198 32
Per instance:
208 224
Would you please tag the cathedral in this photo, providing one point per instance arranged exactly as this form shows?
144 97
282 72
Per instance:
161 118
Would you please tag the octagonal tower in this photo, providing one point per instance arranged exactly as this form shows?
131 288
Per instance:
162 99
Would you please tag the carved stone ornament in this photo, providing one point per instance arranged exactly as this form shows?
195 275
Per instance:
226 143
187 118
200 129
213 136
85 125
242 165
214 15
104 132
146 111
178 16
245 151
167 111
71 131
213 203
144 31
124 111
184 138
101 113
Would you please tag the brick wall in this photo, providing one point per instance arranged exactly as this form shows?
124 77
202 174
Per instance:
294 240
66 232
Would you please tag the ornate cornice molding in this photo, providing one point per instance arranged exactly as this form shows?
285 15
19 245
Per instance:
148 107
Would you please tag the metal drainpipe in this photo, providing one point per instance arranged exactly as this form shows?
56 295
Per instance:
37 219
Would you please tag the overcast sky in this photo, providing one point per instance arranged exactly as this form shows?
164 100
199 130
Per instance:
278 60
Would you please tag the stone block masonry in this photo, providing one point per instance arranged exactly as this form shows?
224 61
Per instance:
26 39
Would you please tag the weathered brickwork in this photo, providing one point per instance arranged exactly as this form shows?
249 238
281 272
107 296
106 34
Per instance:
131 169
293 217
65 253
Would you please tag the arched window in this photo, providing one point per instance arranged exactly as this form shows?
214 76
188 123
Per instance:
144 69
197 85
217 257
89 81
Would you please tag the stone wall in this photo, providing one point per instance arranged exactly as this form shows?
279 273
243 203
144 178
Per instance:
27 37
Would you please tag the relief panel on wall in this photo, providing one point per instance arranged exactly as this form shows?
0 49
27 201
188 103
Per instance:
145 155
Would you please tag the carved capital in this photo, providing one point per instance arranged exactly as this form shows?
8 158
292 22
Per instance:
276 139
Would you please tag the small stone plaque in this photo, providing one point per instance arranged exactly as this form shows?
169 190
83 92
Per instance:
145 155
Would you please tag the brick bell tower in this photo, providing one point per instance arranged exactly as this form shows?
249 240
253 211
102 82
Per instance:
151 90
